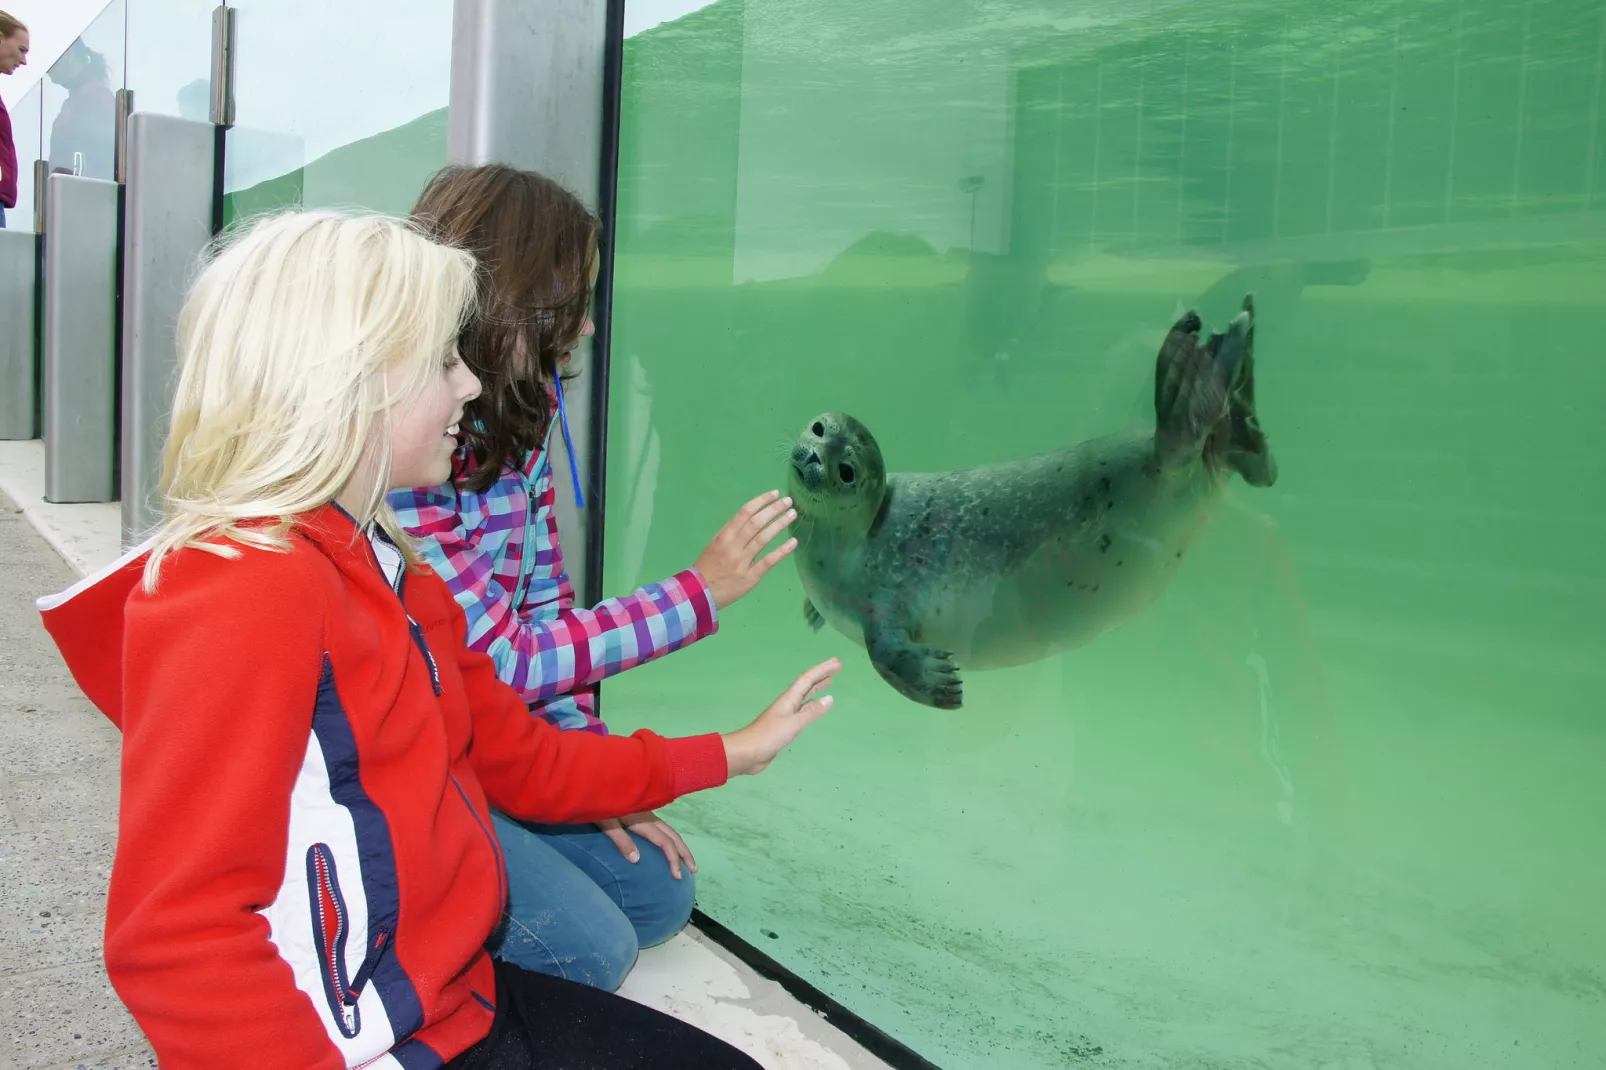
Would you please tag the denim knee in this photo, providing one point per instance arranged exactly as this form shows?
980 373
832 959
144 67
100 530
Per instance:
667 910
600 953
610 956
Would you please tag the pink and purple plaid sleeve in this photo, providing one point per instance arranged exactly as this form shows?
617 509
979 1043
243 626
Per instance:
581 647
548 651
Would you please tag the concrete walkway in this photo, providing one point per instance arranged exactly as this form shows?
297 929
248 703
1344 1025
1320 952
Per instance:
58 828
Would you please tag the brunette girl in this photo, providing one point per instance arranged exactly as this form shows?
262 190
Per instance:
581 898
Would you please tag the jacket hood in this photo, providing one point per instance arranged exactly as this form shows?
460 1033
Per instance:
86 620
86 623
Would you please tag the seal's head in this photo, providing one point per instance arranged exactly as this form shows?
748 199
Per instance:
837 470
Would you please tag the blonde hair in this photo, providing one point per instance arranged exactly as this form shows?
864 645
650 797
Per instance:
297 340
10 24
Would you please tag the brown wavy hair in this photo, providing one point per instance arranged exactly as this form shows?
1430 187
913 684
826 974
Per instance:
536 244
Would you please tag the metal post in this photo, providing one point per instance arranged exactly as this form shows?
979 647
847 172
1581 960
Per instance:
19 386
125 108
80 340
222 106
41 194
529 80
167 222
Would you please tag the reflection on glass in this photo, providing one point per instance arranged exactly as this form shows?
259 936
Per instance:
26 123
1319 804
80 103
369 134
170 56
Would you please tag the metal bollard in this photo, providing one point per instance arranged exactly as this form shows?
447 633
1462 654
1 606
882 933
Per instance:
167 222
80 340
19 381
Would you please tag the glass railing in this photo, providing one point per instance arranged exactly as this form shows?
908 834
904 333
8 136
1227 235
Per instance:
80 105
27 122
1288 777
366 131
170 56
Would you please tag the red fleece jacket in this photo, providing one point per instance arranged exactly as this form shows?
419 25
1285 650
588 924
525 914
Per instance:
305 870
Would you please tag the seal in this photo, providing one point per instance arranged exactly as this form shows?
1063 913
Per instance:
1008 563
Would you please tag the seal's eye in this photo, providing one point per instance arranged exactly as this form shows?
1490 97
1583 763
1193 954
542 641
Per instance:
845 472
818 428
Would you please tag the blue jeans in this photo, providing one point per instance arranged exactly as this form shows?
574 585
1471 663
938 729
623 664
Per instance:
580 910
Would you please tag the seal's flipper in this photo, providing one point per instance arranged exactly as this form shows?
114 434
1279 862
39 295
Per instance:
1247 453
1192 382
812 615
917 671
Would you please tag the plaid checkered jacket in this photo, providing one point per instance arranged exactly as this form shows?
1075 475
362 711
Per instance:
498 552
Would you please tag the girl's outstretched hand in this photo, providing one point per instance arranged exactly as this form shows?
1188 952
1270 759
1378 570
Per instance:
728 565
751 749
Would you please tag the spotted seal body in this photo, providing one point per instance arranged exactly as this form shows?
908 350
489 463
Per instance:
1008 563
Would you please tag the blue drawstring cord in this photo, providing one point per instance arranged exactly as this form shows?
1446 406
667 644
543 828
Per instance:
568 444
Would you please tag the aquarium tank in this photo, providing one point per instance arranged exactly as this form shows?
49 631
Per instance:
1333 799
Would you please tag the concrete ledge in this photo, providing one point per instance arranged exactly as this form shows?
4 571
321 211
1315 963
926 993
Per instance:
86 536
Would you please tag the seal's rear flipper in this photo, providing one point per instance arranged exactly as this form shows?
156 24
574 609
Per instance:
1190 387
1247 452
917 671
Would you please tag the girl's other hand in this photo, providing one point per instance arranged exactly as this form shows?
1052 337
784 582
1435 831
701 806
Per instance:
751 749
656 831
728 565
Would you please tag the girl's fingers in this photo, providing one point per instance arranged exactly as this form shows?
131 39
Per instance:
775 556
756 504
766 515
812 678
681 848
621 839
654 833
767 536
817 688
813 710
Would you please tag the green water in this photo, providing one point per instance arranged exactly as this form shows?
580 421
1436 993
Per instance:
1336 799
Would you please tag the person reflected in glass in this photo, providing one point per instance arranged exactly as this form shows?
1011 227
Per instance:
582 899
87 122
14 46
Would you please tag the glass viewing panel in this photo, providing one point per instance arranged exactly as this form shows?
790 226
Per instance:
80 98
26 126
1331 799
337 105
170 57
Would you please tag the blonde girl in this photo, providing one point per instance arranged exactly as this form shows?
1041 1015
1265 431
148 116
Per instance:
306 873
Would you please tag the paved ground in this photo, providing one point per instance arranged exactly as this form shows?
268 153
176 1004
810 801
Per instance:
58 826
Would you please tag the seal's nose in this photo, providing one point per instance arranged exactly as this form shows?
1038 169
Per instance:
802 455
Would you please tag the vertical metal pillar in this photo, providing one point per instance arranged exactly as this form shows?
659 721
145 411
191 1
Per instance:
19 387
80 340
167 222
531 88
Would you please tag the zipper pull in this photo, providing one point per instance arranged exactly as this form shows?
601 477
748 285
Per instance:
429 659
371 963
